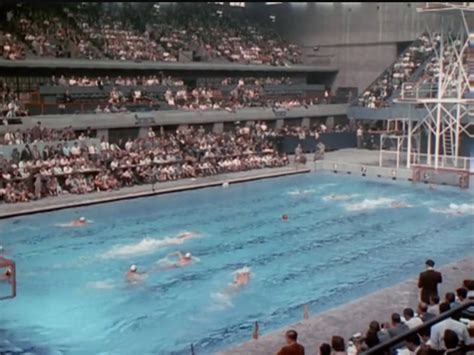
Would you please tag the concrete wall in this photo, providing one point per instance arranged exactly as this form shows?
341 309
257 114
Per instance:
360 39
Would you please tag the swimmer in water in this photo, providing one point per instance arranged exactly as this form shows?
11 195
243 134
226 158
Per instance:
185 235
79 222
241 277
397 204
2 249
183 259
133 276
7 276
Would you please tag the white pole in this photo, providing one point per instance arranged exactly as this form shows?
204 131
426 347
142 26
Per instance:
398 152
440 87
409 139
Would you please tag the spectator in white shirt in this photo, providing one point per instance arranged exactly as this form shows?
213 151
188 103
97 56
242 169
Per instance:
437 331
76 150
151 134
410 320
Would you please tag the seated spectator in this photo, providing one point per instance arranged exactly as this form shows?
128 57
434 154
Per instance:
371 337
410 320
437 330
396 327
423 312
434 305
325 349
414 345
450 298
293 347
338 346
451 341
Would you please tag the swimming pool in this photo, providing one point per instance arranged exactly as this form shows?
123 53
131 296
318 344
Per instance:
73 298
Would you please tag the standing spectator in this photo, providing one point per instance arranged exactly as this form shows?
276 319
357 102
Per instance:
36 131
428 282
451 340
293 347
360 137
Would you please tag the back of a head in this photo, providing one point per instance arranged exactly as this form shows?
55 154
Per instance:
396 319
325 349
337 343
408 313
430 263
451 339
461 293
374 326
414 339
422 307
444 307
450 297
434 299
292 335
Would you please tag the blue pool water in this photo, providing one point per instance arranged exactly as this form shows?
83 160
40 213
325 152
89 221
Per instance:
73 298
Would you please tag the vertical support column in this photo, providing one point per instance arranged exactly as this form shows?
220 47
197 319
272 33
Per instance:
428 148
305 122
399 143
279 124
143 132
380 150
409 144
441 77
218 127
103 133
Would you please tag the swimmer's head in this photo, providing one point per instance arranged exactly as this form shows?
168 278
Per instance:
1 248
82 219
284 217
243 271
8 272
133 268
188 255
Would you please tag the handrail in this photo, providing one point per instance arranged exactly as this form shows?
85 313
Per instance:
399 338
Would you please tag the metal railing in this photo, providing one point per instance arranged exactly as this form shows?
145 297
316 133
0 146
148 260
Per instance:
384 347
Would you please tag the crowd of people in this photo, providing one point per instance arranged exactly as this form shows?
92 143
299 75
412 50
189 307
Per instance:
447 337
86 81
49 33
11 47
10 105
213 95
378 94
144 33
80 168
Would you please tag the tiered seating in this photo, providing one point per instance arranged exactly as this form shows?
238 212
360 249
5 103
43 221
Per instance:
95 31
378 94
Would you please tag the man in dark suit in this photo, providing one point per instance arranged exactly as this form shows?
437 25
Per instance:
428 282
26 153
293 348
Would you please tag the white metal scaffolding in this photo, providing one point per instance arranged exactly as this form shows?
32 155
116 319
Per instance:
447 100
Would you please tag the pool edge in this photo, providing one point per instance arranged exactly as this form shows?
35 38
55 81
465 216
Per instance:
153 192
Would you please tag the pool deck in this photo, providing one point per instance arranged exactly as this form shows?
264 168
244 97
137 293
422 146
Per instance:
355 316
361 162
71 201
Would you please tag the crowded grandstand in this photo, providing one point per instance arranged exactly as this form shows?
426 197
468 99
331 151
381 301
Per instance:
328 147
